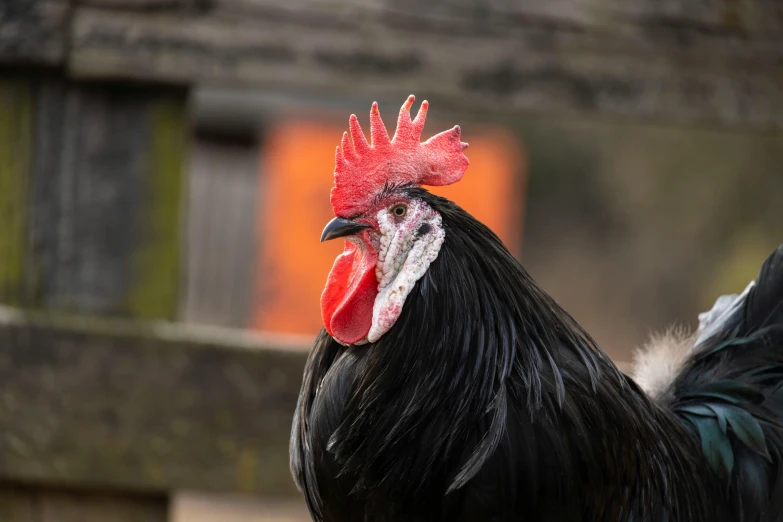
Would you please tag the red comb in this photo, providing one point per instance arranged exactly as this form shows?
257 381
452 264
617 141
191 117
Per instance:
362 169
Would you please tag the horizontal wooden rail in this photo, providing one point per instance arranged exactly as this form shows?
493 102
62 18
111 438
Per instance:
707 63
145 407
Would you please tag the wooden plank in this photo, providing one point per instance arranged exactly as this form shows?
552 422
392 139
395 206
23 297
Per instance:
154 289
222 206
16 149
33 31
18 505
76 507
32 504
97 188
106 192
146 4
700 33
144 407
456 53
761 18
46 193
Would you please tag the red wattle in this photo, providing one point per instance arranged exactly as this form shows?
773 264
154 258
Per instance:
349 294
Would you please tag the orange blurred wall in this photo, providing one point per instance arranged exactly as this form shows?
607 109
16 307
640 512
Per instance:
294 207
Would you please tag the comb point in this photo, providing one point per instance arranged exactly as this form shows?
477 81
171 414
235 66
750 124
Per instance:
360 144
348 151
379 137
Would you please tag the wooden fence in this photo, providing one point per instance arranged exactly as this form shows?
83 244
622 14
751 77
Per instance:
104 419
108 418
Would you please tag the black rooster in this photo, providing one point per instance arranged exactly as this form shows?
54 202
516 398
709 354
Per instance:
448 386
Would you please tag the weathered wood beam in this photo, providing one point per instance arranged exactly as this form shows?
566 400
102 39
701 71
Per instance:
146 407
107 193
647 60
16 158
759 19
34 31
25 504
91 187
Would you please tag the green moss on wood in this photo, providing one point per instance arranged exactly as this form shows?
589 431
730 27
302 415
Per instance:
154 292
16 137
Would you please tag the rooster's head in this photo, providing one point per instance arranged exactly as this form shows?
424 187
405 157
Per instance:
391 238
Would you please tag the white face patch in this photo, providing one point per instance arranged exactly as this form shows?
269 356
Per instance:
407 248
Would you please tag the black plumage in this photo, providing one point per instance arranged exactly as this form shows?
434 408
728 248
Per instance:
486 401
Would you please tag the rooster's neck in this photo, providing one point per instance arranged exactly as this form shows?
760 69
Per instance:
475 335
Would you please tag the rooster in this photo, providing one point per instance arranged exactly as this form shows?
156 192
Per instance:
448 386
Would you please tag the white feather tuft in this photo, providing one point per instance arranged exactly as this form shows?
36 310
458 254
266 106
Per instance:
657 364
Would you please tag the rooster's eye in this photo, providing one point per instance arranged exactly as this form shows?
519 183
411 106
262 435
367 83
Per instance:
399 210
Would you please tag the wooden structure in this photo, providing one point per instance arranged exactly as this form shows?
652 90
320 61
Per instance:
222 243
715 61
104 419
101 419
80 164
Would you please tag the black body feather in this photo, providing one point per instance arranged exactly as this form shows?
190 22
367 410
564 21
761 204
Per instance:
487 402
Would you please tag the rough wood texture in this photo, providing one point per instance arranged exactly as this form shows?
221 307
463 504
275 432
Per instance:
155 269
33 31
144 407
24 504
16 149
715 62
106 189
221 227
18 505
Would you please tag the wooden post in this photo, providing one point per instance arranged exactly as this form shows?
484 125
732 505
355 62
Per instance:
16 137
91 184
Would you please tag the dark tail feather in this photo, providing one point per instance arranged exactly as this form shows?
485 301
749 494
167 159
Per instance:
764 305
730 394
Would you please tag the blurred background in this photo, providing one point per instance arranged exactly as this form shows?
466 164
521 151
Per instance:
164 177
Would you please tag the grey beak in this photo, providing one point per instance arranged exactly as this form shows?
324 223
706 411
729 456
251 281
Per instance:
339 227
